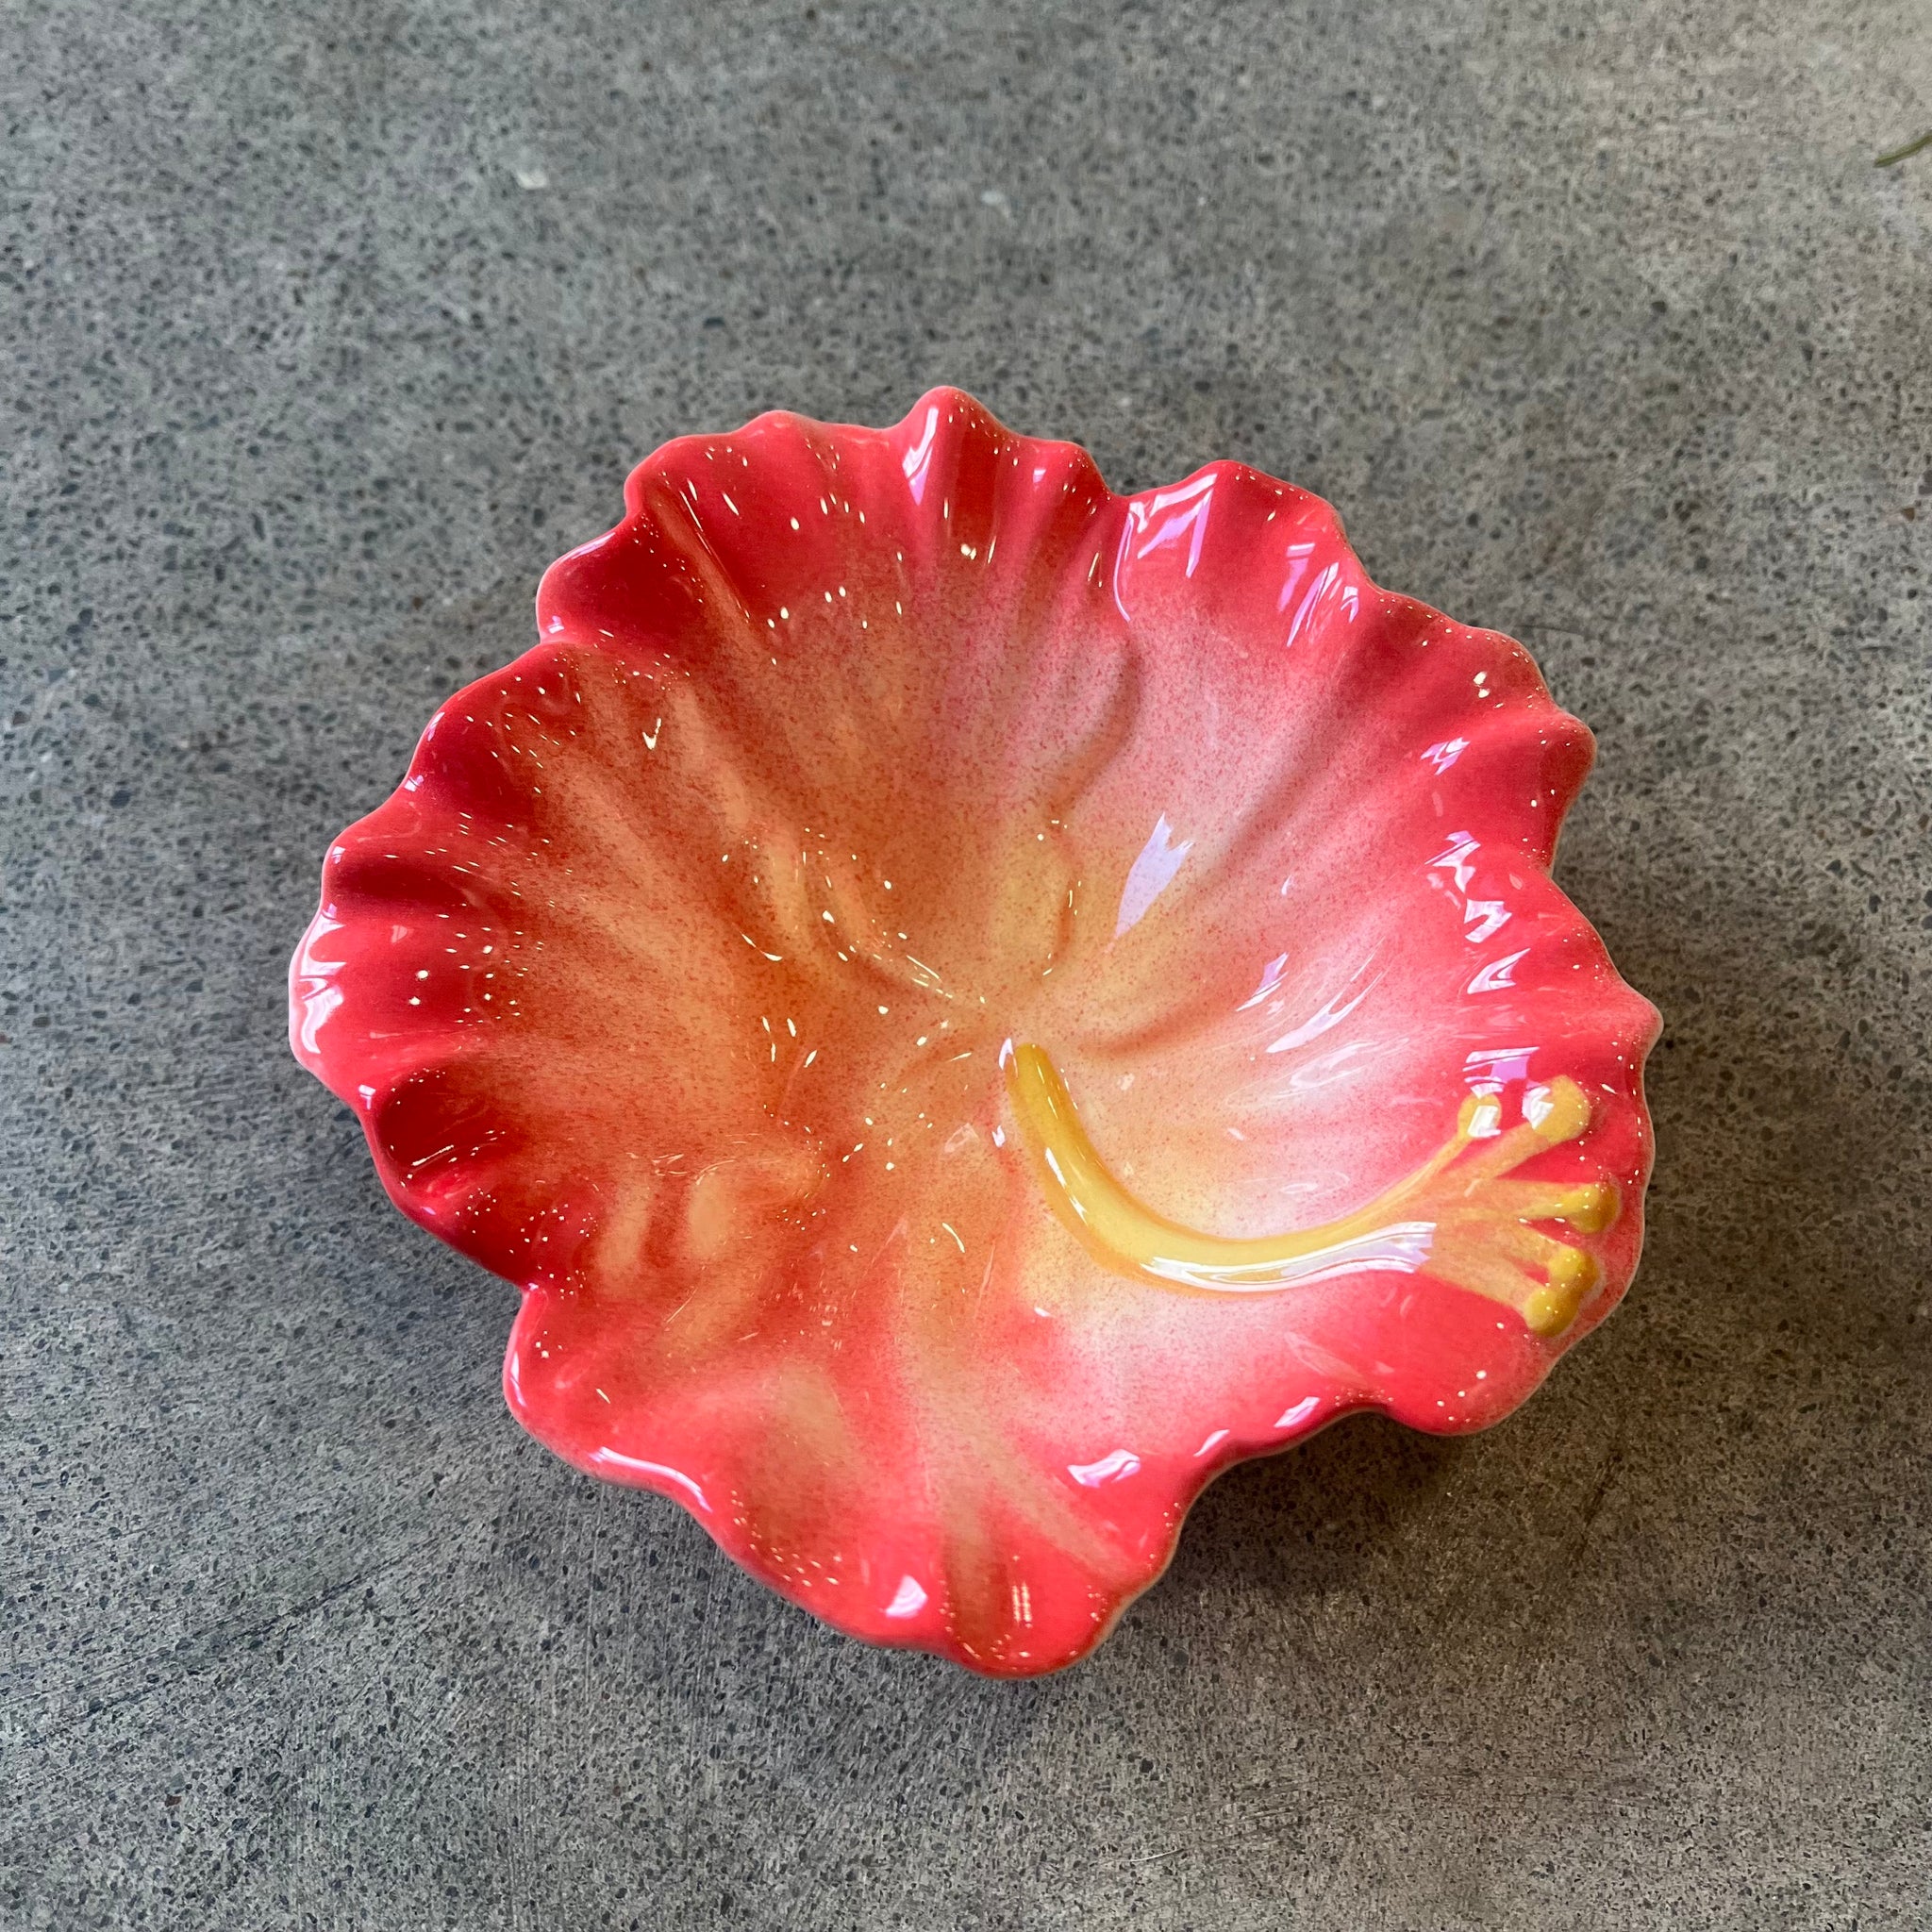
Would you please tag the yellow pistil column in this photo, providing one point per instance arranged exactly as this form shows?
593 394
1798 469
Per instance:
1457 1217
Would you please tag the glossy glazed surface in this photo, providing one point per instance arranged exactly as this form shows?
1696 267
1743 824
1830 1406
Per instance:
968 1003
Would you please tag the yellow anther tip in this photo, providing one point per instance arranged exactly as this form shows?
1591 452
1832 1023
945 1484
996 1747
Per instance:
1593 1208
1566 1114
1551 1308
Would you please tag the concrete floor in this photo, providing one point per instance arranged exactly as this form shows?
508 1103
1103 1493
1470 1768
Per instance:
325 327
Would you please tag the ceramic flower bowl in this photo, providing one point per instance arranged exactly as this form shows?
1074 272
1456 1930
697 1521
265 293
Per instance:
968 1003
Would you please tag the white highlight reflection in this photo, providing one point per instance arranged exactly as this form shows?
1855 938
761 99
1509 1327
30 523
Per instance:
318 999
655 1472
1485 916
1158 521
1150 874
1271 978
1319 1023
1326 580
1300 1413
1401 1248
1497 975
312 982
1114 1467
907 1600
1455 857
916 459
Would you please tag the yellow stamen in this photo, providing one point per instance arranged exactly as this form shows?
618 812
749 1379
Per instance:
1456 1218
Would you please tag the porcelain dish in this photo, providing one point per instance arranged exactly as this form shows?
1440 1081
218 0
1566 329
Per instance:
967 1004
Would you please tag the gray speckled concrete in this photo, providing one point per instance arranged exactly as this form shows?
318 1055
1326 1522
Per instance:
1600 328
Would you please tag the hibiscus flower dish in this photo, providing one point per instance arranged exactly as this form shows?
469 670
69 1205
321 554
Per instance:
967 1004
